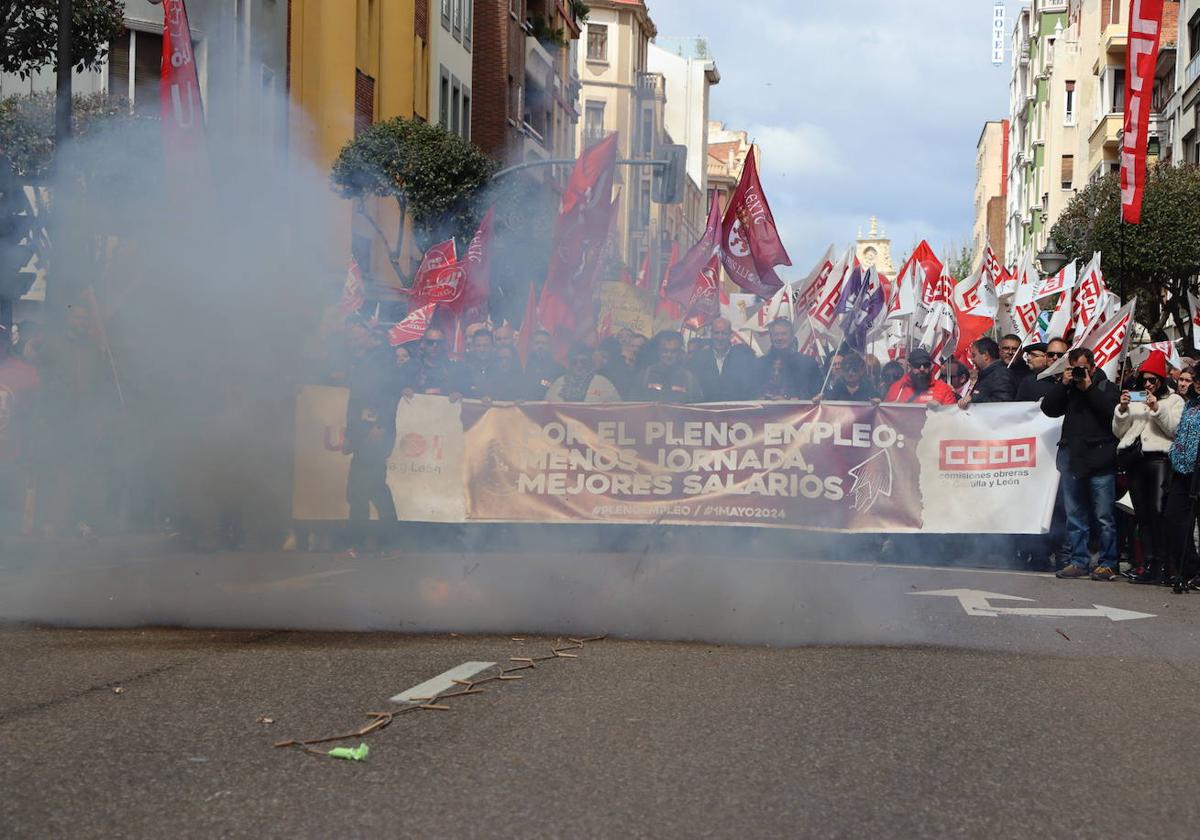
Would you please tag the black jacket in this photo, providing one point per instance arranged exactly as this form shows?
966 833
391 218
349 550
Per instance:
1032 389
1087 423
735 381
801 373
995 383
838 392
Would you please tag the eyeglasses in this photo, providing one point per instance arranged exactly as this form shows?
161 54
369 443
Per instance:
922 365
1055 355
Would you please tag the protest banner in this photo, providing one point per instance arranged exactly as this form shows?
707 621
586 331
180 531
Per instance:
624 305
836 466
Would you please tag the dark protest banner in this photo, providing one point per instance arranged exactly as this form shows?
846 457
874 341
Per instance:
834 466
803 467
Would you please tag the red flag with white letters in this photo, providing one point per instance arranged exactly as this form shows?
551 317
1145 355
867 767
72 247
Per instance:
750 246
413 327
1141 56
682 278
705 305
472 305
180 110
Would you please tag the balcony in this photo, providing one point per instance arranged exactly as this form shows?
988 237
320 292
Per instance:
1112 46
1192 72
651 85
1106 132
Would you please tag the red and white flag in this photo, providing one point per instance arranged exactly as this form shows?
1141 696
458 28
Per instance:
1053 284
472 304
805 292
1194 315
1090 297
1141 56
705 305
436 257
681 279
180 108
975 305
1109 342
750 241
354 293
908 291
413 327
1139 354
643 275
823 314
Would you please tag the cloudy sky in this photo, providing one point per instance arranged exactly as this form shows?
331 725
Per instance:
861 107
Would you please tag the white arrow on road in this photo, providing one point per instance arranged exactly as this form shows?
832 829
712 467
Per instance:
975 602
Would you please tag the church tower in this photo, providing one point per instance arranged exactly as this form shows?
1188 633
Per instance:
875 249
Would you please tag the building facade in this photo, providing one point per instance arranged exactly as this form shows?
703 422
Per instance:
620 94
689 72
451 54
991 184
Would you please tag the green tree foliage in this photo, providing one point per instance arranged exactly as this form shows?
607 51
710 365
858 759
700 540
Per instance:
958 261
1161 255
433 175
27 128
29 33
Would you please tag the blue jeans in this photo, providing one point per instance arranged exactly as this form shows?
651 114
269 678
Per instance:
1086 499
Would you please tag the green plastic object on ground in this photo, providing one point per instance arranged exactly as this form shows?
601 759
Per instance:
358 753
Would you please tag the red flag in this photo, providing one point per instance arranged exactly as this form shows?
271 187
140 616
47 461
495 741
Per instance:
643 277
354 293
705 306
436 257
750 242
413 327
180 108
580 234
1141 56
680 283
528 324
473 303
975 305
625 277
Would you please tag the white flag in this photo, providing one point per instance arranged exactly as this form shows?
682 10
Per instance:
1194 314
1109 342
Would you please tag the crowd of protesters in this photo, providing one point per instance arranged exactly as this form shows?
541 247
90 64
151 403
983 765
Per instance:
1139 437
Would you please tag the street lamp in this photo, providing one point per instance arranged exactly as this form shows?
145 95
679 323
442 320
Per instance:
1051 259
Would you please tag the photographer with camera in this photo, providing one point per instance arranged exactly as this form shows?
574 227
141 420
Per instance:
1087 461
1145 421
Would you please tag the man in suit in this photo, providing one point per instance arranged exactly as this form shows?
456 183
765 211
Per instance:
727 372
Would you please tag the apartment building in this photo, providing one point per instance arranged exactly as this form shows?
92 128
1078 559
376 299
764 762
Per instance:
991 183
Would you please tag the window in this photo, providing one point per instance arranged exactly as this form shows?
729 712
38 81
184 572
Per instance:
444 101
364 102
446 14
455 105
466 113
597 42
593 122
647 131
468 21
643 217
1068 171
456 20
1069 109
1118 91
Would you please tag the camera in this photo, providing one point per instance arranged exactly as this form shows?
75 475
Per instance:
1079 373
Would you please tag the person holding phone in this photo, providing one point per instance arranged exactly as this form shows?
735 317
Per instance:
1145 422
1179 514
1087 460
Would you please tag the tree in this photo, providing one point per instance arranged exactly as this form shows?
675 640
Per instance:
1159 256
958 261
27 127
29 33
432 175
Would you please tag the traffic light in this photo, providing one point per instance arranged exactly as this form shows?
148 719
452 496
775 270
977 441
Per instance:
667 187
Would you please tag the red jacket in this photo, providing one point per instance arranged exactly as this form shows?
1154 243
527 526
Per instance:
902 391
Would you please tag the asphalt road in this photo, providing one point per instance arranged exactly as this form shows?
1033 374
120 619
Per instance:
886 714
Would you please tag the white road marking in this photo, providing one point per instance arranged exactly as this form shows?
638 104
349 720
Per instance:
975 602
442 682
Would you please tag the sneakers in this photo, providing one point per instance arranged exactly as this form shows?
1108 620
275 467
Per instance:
1072 570
1103 573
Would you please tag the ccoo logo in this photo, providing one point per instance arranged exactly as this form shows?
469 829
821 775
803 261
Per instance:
979 455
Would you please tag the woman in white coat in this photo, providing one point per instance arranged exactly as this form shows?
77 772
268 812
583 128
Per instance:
1145 421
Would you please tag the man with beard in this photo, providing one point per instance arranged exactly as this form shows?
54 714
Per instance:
799 374
540 368
726 371
853 385
918 386
1010 354
667 380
